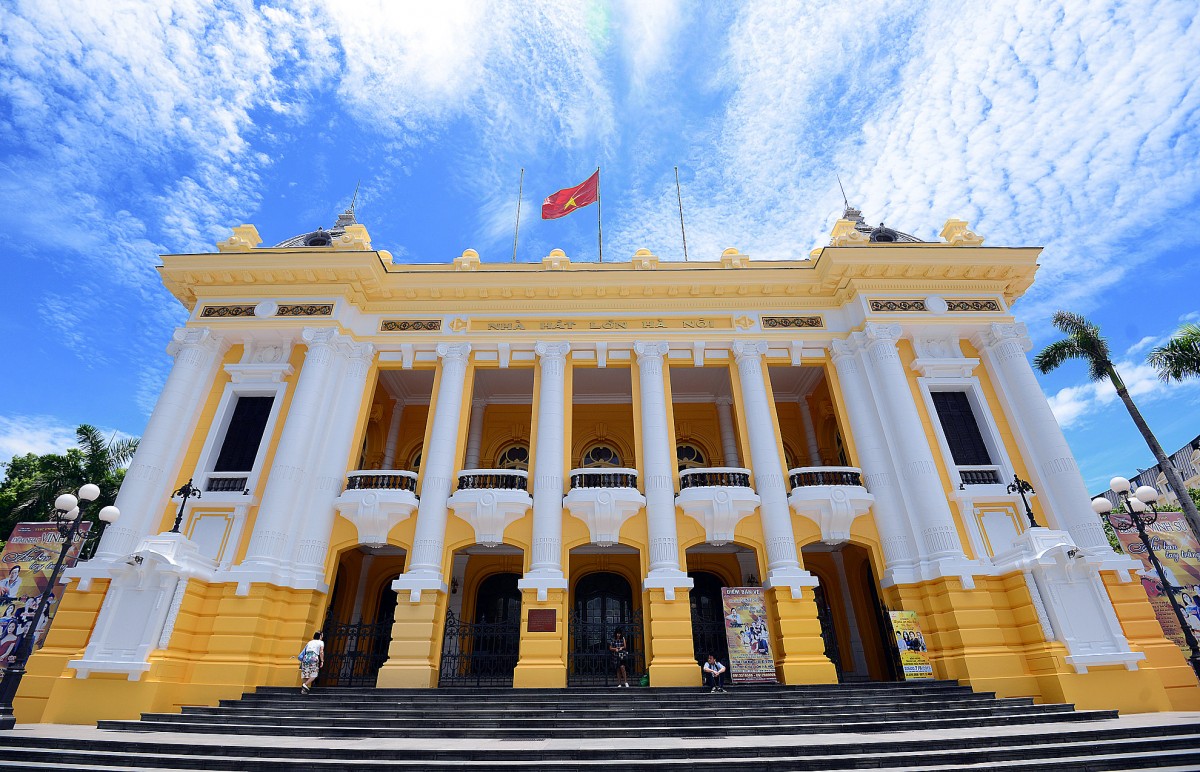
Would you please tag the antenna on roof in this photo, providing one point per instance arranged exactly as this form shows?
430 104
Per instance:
845 200
354 200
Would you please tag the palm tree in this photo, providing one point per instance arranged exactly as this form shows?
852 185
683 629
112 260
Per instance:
1084 342
1179 358
96 460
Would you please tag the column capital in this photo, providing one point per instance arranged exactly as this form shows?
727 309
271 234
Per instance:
651 349
878 333
479 403
551 349
356 350
454 351
724 401
996 334
752 349
839 349
194 337
320 336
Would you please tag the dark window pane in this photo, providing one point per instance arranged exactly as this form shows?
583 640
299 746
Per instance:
244 434
961 430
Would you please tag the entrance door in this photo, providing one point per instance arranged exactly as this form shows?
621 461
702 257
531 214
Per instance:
708 617
828 631
603 604
484 652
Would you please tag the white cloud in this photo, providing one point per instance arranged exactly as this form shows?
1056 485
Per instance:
33 434
1073 404
1144 344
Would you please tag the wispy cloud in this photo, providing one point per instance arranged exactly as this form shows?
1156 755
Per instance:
1074 404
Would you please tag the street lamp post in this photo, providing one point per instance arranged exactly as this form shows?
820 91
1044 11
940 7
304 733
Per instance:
1022 487
1139 507
187 491
67 516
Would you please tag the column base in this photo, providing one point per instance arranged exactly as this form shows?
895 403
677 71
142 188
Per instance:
799 650
417 582
543 659
543 583
414 656
669 640
668 581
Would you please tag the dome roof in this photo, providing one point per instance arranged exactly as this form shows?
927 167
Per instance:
881 233
321 237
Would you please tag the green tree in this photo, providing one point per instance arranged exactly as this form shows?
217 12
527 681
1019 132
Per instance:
33 482
1179 357
1085 342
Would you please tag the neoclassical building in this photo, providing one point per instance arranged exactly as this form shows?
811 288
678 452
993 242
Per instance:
472 473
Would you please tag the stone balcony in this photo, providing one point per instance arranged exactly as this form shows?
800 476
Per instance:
376 500
604 499
717 498
830 496
491 500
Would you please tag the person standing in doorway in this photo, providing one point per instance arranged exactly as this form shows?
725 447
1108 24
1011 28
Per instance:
620 655
312 659
714 674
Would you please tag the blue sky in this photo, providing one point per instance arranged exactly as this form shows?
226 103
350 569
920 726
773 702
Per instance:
130 129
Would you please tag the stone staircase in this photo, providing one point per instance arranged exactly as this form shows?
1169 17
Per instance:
929 725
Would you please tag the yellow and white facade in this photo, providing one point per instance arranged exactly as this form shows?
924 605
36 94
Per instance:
421 429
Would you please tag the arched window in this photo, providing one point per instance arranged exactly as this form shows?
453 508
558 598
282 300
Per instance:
415 464
689 456
789 456
514 456
600 455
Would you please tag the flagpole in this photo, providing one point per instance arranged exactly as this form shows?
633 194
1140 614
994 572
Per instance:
682 230
517 229
599 227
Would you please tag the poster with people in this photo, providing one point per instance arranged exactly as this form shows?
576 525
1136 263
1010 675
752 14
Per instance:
749 637
1179 553
914 654
25 566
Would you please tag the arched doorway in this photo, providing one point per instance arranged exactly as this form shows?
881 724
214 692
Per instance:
848 609
358 620
603 603
484 652
708 617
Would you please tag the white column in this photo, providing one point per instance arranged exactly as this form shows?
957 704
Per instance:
425 569
891 514
314 515
658 459
810 433
545 568
149 481
1050 461
393 436
783 562
356 613
910 448
299 445
475 434
729 448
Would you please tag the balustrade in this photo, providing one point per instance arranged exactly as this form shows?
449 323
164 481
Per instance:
502 479
979 475
608 477
718 476
382 480
220 483
808 476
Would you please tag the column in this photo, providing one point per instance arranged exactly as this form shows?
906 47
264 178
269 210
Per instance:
312 520
810 433
298 448
891 514
425 568
541 662
393 436
363 571
545 568
729 448
913 456
658 459
1051 463
800 655
857 652
197 352
475 434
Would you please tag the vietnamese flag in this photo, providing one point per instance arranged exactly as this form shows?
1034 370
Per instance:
567 200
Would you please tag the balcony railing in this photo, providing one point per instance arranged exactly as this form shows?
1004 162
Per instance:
224 483
807 476
502 479
382 480
608 477
979 475
717 476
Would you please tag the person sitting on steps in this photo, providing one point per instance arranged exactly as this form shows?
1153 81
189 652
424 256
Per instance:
714 674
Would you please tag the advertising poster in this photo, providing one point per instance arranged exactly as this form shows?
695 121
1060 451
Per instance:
1177 550
914 655
750 658
25 566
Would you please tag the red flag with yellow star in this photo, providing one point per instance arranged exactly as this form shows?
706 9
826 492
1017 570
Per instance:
567 200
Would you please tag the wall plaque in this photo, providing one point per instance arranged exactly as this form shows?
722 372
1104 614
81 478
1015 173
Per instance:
542 620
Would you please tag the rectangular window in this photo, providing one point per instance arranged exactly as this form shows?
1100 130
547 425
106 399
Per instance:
961 429
244 434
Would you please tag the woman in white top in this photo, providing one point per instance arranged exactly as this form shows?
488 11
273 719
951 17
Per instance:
312 658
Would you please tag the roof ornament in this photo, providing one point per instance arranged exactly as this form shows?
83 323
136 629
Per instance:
347 217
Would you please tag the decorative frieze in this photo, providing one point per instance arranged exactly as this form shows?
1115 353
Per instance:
240 310
410 325
306 309
973 305
226 312
897 306
786 322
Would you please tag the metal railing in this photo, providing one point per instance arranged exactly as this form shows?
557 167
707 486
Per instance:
723 476
221 483
805 476
382 480
979 475
604 477
504 479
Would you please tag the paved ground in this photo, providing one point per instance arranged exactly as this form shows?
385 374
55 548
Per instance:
44 732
